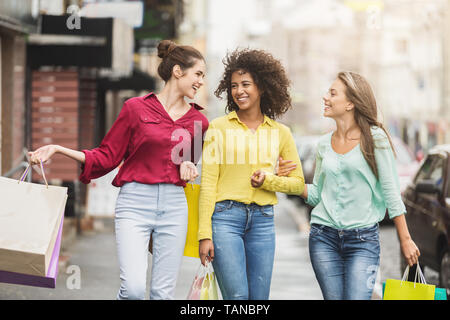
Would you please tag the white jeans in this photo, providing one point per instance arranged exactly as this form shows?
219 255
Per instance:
142 209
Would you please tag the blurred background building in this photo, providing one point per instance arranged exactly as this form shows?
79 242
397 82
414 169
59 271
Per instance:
67 66
401 47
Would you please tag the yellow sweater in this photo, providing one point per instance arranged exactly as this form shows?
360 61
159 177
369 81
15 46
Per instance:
232 153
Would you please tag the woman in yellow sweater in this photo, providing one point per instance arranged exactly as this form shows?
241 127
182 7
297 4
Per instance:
238 185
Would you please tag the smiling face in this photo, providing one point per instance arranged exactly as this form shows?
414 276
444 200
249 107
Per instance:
191 79
244 90
336 102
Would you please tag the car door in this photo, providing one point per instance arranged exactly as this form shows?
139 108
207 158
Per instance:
428 208
437 209
413 216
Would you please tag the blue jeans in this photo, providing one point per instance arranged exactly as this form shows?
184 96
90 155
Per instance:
345 261
244 249
143 209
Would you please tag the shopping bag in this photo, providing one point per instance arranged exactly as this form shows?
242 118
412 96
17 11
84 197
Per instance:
439 293
407 290
204 286
30 218
192 192
49 281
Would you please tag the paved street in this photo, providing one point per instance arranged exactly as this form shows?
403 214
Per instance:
93 257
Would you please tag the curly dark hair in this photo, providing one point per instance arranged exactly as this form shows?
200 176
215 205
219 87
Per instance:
269 76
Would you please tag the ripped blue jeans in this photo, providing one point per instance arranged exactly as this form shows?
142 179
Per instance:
244 249
345 261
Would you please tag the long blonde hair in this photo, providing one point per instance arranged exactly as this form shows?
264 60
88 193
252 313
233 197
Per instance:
359 92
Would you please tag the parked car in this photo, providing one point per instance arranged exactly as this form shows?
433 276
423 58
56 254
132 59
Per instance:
427 202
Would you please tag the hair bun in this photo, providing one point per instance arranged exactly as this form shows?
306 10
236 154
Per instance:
165 47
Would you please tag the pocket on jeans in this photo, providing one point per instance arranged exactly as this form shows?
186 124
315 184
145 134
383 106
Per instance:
369 236
267 211
221 206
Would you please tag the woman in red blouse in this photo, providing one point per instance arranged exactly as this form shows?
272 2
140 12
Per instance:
159 139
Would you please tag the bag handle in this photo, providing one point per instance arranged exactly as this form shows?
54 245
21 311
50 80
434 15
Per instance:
418 273
27 170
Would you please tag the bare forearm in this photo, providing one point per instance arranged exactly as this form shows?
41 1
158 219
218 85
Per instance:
304 194
402 228
73 154
410 251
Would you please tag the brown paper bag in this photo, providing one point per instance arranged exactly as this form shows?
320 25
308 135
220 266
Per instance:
30 215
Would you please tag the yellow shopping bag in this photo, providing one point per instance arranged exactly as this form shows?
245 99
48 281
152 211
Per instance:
192 192
209 287
407 290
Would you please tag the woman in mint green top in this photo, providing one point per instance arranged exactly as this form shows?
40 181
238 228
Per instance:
354 183
345 192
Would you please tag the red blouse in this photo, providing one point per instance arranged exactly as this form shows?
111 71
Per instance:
151 144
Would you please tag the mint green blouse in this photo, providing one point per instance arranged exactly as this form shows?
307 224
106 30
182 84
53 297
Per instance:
346 194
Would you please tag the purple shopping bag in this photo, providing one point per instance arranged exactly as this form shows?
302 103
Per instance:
49 281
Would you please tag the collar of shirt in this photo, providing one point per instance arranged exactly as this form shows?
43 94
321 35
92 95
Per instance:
153 95
233 115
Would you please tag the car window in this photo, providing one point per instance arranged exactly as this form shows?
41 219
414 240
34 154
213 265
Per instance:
425 170
436 174
432 169
448 188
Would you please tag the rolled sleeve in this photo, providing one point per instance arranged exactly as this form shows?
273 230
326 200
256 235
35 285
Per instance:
86 168
388 176
313 195
314 189
111 152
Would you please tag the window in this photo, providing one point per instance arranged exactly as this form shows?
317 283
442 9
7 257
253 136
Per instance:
425 170
436 174
432 169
